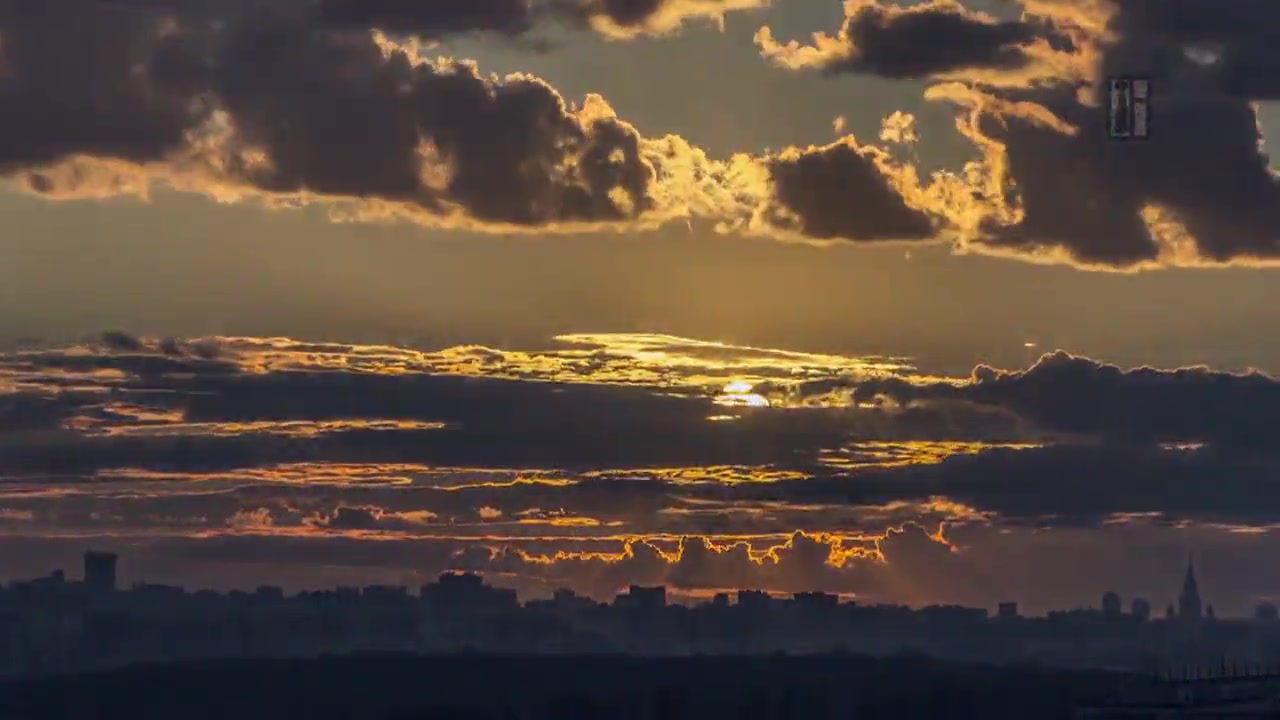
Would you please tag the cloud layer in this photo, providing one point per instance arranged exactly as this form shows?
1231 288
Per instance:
617 459
287 103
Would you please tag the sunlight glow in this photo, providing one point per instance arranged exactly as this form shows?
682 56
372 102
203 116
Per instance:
738 394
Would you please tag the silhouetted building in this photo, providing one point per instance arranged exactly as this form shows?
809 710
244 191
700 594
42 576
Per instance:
639 597
100 571
1189 607
953 615
811 601
1111 605
47 625
1266 612
753 599
1007 611
269 593
1140 609
466 592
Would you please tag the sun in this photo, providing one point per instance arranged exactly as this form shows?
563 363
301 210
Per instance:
738 394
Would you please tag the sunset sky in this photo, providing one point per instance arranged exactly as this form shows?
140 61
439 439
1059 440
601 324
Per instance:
796 295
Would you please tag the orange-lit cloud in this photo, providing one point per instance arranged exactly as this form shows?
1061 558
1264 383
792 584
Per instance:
282 438
1049 186
615 19
207 117
623 19
197 105
940 39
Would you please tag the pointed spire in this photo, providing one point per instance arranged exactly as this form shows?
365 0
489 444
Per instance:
1189 603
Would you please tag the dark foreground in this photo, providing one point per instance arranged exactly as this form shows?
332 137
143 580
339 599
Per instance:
477 687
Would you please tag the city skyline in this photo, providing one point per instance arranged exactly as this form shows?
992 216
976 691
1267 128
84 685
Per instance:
100 575
55 625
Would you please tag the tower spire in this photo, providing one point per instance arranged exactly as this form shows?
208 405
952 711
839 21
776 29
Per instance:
1189 605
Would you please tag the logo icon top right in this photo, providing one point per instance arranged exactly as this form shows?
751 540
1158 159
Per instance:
1128 108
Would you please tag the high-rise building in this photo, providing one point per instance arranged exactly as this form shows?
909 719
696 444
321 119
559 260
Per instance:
1266 612
1007 611
1140 609
753 599
639 597
100 571
1111 604
1189 606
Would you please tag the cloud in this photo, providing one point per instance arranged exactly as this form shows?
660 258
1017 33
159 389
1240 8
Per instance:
626 19
430 20
1078 396
1066 485
846 191
266 106
153 405
1049 185
326 437
608 460
796 563
1200 191
615 19
936 39
259 102
371 518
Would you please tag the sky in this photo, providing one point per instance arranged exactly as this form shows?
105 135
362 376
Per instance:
792 295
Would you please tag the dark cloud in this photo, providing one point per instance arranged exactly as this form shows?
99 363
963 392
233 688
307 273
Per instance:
1200 190
429 19
1078 486
285 104
223 416
118 341
85 77
144 365
570 429
858 192
103 97
27 410
624 19
843 191
625 12
926 42
1051 184
1064 485
506 152
1076 395
1238 41
917 41
375 453
612 18
1091 198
